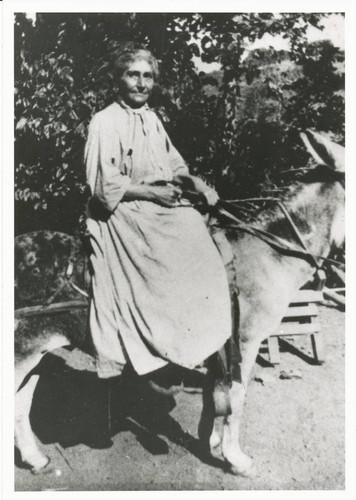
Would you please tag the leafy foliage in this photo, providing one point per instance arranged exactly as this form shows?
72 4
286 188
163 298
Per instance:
235 127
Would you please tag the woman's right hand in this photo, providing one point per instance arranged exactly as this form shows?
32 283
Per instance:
168 195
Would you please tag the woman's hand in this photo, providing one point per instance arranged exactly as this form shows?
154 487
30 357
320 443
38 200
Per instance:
193 183
168 195
211 196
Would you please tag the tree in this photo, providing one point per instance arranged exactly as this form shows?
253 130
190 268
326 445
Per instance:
318 94
232 129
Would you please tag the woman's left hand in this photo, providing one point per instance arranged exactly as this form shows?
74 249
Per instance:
211 196
193 183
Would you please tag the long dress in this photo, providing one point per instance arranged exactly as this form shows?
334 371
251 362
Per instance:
160 291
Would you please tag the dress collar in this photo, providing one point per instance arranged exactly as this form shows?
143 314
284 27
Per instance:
138 111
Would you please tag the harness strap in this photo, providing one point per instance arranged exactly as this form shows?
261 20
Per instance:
269 238
272 239
296 231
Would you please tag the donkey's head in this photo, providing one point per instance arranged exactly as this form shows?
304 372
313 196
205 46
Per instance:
330 160
324 151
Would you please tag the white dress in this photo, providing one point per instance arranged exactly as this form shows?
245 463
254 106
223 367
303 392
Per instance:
160 291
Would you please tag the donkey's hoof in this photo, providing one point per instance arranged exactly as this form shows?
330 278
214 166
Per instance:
48 468
215 439
243 466
251 472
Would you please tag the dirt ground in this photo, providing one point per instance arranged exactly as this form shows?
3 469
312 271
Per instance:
293 428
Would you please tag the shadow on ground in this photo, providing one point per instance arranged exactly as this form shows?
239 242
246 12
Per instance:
72 407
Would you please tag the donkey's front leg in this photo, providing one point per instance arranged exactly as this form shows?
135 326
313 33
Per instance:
238 461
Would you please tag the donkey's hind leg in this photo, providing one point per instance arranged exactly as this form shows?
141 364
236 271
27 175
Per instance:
24 439
25 385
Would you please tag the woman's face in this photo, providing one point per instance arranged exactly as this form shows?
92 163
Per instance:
136 83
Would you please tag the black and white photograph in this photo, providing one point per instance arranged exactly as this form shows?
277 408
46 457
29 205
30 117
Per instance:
178 286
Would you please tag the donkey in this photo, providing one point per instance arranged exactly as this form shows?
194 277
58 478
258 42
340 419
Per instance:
267 284
265 287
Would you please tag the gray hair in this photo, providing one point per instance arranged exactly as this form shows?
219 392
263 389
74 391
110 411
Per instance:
121 60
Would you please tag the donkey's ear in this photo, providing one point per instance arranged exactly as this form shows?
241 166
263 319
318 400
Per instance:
329 152
311 149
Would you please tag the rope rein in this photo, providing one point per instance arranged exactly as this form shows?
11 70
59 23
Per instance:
270 238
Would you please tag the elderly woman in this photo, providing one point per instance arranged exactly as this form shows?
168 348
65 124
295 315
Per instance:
160 291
